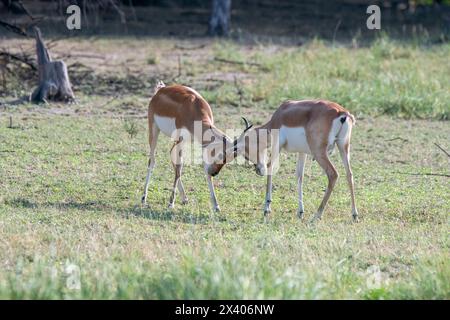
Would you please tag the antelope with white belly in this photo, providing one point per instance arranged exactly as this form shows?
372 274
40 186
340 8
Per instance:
307 127
171 110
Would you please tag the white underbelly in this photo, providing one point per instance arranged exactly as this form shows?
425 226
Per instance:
293 139
166 125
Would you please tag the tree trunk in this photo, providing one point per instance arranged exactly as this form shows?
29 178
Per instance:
14 7
54 83
219 23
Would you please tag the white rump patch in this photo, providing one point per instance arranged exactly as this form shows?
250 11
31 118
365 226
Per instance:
339 131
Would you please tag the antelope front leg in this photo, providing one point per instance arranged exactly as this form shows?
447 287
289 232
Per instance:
153 137
176 156
212 193
184 198
175 184
151 165
268 201
300 170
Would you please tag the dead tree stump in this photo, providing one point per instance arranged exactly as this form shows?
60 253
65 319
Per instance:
219 22
54 83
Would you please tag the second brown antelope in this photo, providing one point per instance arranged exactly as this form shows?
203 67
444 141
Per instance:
308 127
171 110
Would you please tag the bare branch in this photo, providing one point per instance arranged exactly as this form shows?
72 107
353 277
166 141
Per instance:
13 28
442 149
18 58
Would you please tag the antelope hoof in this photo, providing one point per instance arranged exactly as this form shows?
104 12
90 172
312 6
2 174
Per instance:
267 211
355 218
171 206
217 208
144 200
315 219
300 214
185 201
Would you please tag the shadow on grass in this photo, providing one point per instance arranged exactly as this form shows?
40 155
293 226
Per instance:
181 215
16 102
25 203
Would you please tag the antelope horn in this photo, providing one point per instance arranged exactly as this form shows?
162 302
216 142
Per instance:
248 125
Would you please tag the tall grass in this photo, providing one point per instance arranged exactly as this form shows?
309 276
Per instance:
70 186
397 79
224 274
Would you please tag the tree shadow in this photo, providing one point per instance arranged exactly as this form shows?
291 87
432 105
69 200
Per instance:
16 102
21 203
181 215
89 205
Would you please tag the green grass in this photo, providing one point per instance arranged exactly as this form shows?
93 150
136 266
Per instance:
404 80
71 178
70 194
386 78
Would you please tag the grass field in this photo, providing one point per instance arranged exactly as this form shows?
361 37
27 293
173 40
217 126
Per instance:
71 178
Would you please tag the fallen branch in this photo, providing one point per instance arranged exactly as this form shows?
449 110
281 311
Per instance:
15 102
425 174
239 90
109 101
190 48
238 62
442 149
79 55
214 80
18 58
398 138
79 65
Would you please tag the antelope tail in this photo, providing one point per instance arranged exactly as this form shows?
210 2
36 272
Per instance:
159 85
347 114
353 118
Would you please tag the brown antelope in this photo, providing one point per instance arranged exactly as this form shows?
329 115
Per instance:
305 127
172 109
